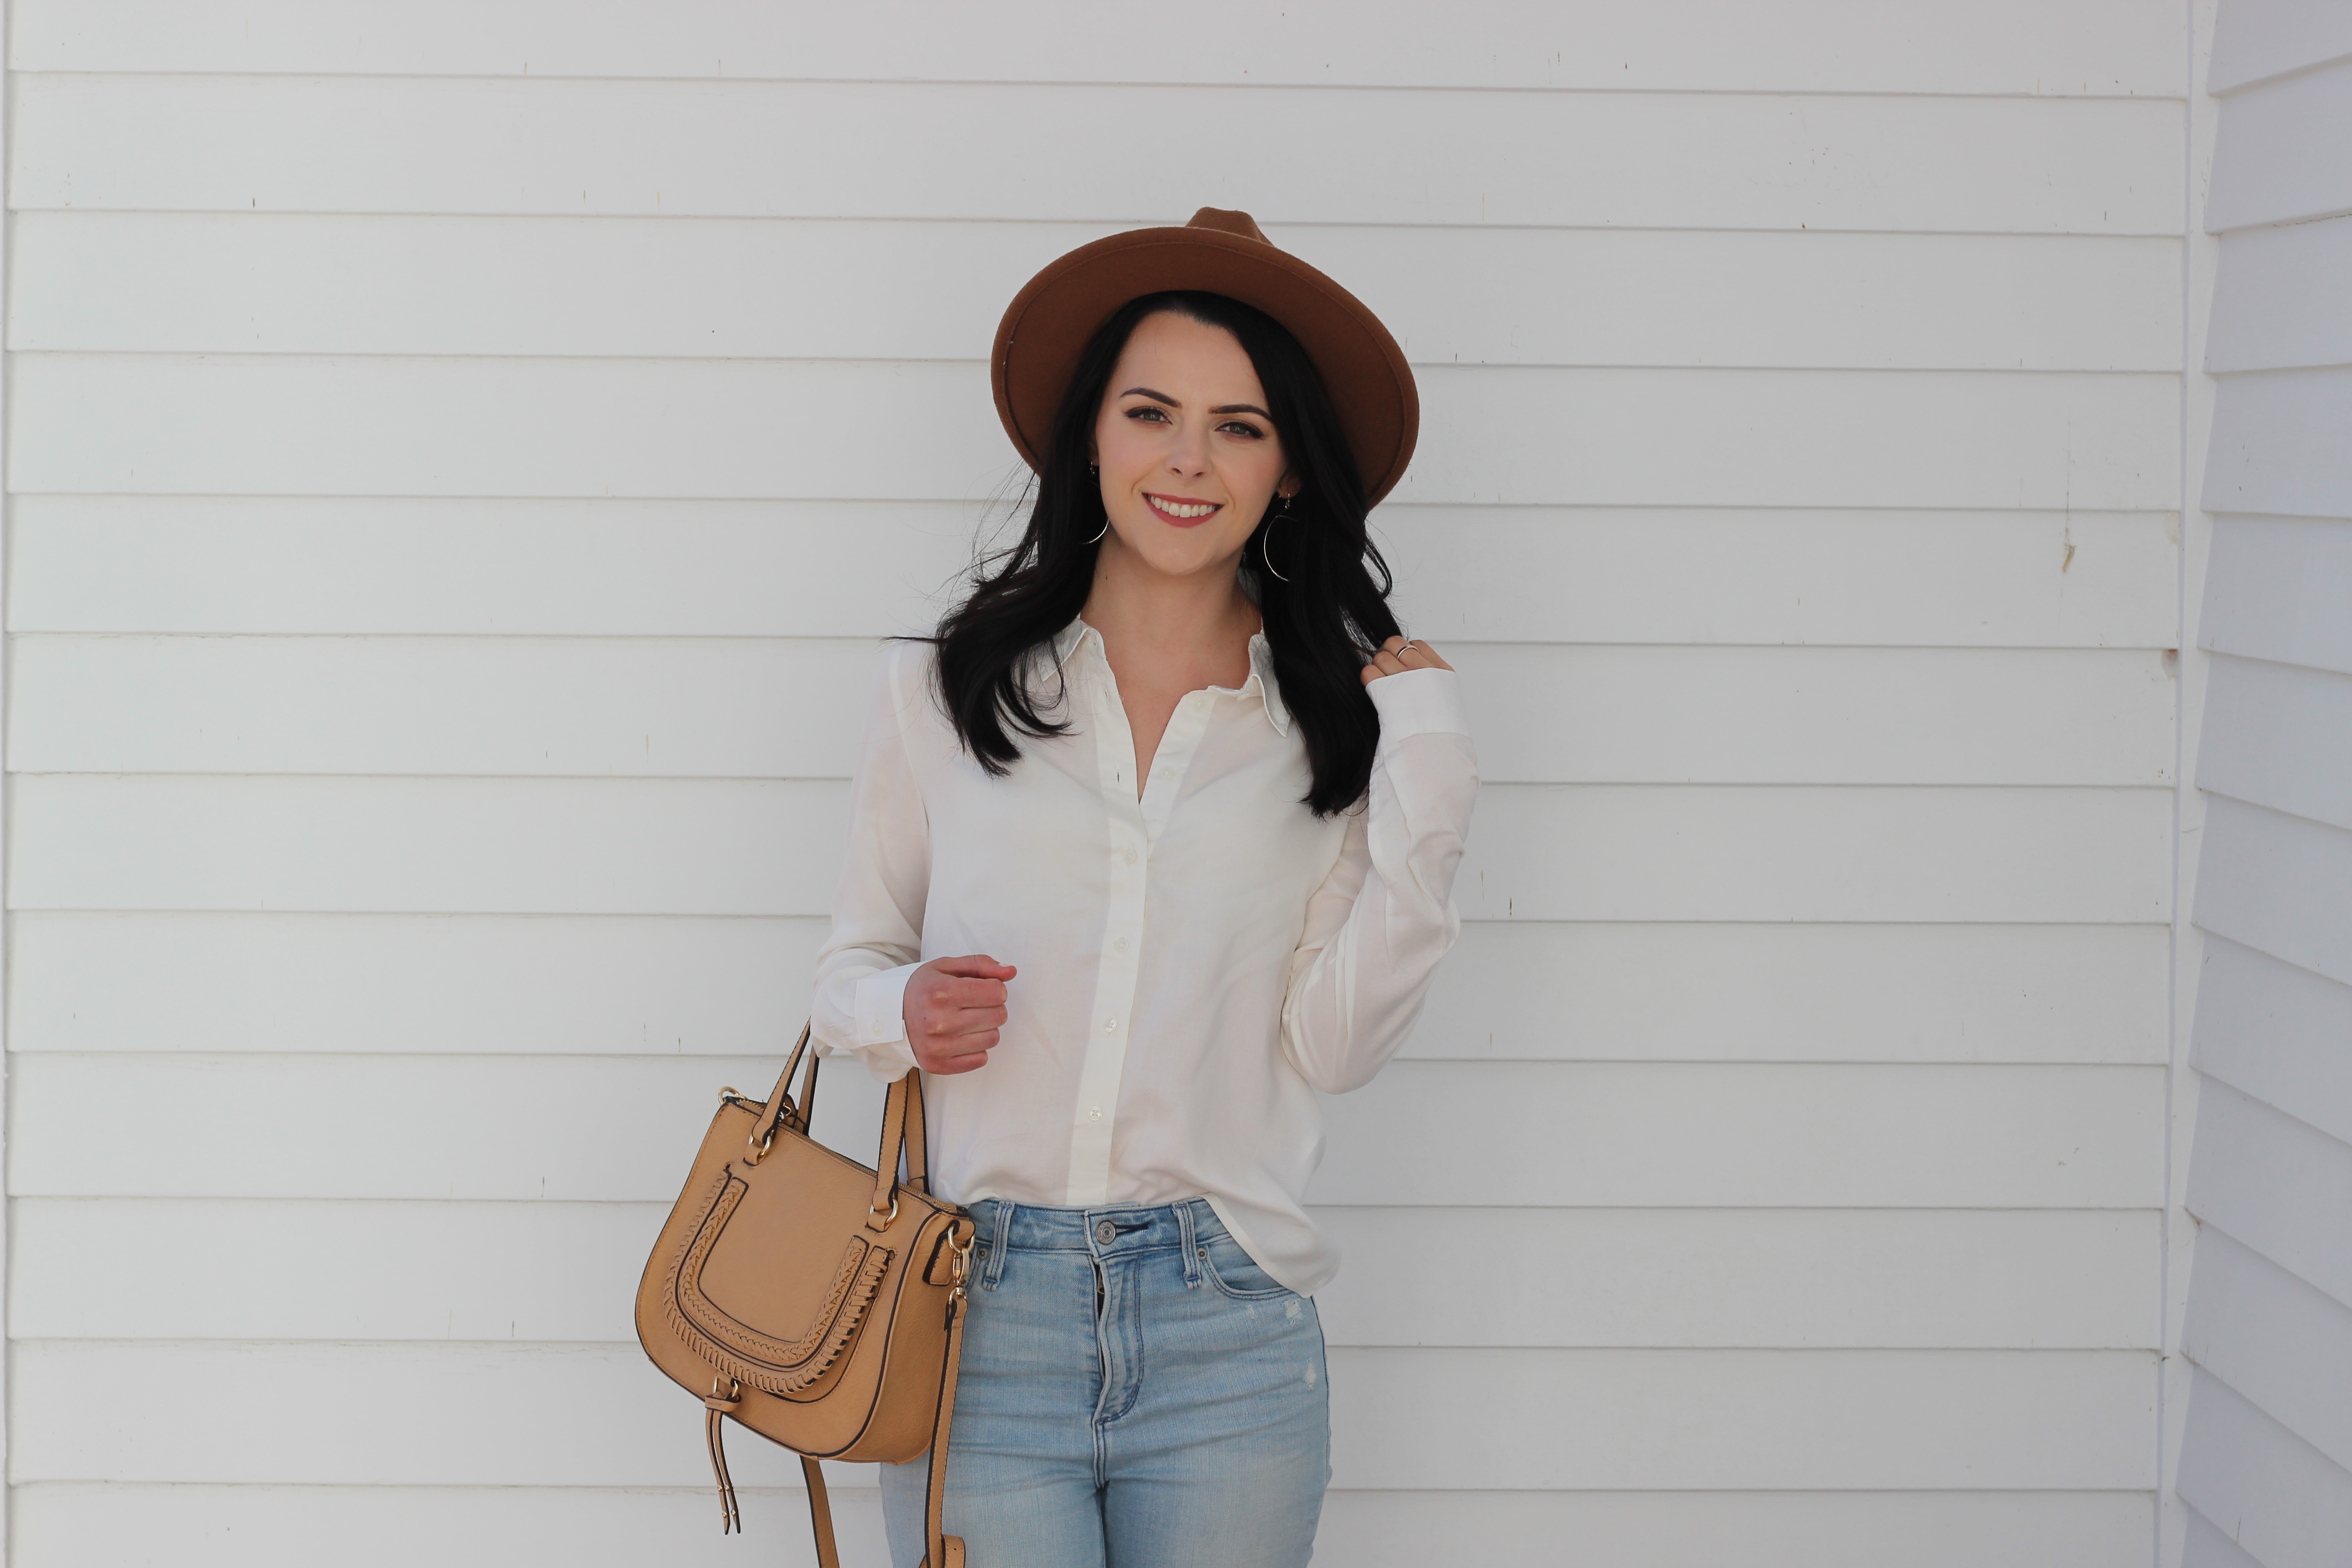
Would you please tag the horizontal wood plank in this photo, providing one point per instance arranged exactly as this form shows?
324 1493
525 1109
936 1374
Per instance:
261 424
2277 1185
114 1525
283 283
795 708
2288 1506
575 568
2276 299
589 567
2284 1345
2278 443
631 984
2266 167
1797 993
2257 40
2277 1033
1757 1530
707 846
2275 588
529 846
1888 579
2277 883
2099 46
1674 852
1655 1278
225 143
1794 1134
1429 1420
1445 1134
581 707
2066 1419
595 985
2278 735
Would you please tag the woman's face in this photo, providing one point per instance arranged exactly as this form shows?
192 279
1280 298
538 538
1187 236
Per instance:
1190 457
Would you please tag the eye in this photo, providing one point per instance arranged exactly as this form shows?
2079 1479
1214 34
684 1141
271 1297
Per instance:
1144 410
1242 427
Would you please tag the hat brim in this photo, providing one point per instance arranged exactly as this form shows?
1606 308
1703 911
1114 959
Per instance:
1050 322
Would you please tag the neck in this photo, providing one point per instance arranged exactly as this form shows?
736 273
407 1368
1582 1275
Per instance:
1132 606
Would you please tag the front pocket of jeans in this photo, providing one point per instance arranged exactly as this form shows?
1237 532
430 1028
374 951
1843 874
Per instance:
1234 1272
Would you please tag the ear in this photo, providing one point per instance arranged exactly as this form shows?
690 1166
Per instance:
1289 485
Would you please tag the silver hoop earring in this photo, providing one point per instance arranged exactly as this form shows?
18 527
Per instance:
1096 469
1265 539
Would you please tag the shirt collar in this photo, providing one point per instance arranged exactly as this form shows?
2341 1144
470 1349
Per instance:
1261 676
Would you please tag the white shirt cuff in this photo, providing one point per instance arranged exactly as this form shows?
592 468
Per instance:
1418 702
881 1005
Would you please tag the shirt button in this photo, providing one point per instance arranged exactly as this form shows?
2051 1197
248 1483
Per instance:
1119 946
1105 1232
1126 857
1094 1113
1110 1025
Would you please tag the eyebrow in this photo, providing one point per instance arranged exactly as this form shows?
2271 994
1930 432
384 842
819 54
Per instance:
1221 409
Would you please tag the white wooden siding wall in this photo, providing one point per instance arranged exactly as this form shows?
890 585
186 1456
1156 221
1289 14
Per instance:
2266 1458
463 456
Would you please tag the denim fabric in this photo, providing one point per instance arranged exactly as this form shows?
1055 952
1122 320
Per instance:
1136 1394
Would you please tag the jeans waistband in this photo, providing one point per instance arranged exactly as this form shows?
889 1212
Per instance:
1104 1230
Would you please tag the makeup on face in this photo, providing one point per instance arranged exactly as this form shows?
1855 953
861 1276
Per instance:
1186 447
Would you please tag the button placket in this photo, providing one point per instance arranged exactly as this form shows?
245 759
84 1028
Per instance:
1126 878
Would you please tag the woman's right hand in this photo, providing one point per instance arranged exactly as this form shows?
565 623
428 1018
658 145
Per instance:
953 1008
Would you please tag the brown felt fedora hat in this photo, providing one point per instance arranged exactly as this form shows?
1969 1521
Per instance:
1048 323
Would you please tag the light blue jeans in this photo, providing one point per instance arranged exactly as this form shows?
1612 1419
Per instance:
1136 1394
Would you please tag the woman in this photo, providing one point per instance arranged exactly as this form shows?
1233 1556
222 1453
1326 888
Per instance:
1153 840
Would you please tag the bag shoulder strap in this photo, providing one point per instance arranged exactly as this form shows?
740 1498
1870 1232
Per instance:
940 1550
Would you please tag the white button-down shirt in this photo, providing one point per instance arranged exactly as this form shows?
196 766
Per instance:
1194 964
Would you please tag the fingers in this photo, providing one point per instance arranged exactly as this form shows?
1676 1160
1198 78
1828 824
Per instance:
1400 654
950 1023
965 1052
955 1012
969 993
977 966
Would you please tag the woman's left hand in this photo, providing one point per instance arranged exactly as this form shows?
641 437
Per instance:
1400 654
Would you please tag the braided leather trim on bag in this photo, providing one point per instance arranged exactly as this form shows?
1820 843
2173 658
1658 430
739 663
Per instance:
771 1366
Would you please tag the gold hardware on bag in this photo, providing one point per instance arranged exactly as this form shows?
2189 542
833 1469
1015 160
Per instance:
960 1270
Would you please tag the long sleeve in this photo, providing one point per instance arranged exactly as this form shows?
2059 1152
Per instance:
877 906
1380 922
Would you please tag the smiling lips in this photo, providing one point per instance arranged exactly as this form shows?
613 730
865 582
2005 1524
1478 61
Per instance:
1183 513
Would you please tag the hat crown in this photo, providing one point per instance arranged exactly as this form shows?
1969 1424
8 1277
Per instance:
1228 221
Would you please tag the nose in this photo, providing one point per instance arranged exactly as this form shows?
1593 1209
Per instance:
1190 454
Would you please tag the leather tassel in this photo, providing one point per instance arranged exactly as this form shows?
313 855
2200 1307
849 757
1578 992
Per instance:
715 1409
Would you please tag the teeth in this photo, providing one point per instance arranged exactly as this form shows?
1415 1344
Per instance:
1174 508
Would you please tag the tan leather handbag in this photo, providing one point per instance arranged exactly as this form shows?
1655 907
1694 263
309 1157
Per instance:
815 1301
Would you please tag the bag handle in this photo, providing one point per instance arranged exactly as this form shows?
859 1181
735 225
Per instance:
904 1130
780 1107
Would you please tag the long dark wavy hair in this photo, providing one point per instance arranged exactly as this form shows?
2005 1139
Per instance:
1322 623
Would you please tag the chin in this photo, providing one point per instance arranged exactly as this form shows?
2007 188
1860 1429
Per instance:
1183 556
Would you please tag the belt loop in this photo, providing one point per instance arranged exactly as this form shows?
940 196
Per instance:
1191 1247
994 1269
